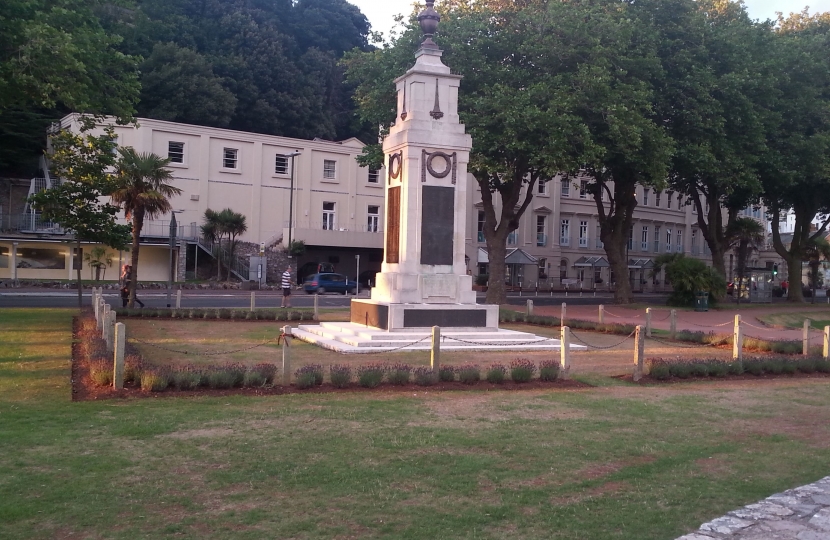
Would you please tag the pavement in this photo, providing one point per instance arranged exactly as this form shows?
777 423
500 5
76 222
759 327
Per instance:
802 513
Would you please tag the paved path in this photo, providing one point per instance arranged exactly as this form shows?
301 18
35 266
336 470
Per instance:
802 513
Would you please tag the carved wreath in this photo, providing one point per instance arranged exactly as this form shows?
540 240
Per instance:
395 166
426 165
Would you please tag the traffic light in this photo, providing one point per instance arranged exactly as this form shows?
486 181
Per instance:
775 269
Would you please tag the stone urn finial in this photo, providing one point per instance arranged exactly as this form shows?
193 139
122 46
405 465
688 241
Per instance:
428 19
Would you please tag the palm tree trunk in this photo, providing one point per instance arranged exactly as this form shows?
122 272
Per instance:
138 223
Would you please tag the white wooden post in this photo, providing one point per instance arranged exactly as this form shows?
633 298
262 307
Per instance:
316 309
805 338
435 353
648 322
737 340
639 351
95 298
179 299
562 314
826 349
118 360
253 300
601 314
109 328
564 352
104 320
286 356
529 310
673 328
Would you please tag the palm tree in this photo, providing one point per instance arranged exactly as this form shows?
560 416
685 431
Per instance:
744 235
234 224
817 249
98 258
142 192
212 232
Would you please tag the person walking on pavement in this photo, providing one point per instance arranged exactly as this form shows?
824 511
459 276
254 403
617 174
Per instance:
286 287
126 279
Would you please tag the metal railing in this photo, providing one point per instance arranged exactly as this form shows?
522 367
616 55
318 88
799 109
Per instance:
161 229
30 223
334 227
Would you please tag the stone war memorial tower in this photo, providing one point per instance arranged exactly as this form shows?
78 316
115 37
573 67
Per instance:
423 280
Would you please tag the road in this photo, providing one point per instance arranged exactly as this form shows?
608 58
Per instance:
32 297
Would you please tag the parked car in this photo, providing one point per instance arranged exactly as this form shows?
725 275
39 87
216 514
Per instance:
328 282
312 268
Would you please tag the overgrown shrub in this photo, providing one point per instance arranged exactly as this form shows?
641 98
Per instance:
446 373
398 374
548 370
100 372
370 375
266 371
155 379
424 376
496 373
341 375
522 370
469 373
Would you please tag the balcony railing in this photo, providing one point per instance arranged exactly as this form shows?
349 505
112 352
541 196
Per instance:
327 226
161 229
29 223
541 239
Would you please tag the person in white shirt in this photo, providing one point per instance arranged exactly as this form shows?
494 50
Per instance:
286 287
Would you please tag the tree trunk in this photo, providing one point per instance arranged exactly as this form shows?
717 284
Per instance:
794 290
138 223
615 249
713 231
496 252
615 226
78 270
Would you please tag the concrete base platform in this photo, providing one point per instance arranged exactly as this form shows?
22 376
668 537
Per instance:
348 337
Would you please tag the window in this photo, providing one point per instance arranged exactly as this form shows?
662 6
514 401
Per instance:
679 241
374 215
541 227
230 157
565 233
669 195
329 169
630 244
583 189
542 187
280 164
656 239
175 152
513 238
480 226
543 265
644 239
694 241
566 188
563 269
668 240
373 176
645 196
583 234
657 198
328 216
600 245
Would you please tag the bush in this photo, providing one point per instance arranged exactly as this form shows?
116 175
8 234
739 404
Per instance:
253 379
341 375
187 378
446 374
699 369
823 366
496 373
718 368
424 376
660 372
100 371
773 366
681 370
266 371
218 377
754 367
548 370
786 347
370 375
788 367
469 373
522 370
132 368
482 279
305 380
807 365
155 380
315 370
735 368
398 374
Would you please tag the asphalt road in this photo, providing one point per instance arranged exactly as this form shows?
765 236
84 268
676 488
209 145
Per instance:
266 299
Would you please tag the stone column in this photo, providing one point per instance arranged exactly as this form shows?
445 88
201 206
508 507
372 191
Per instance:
181 260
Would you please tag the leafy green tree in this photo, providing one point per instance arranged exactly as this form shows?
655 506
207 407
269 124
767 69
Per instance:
688 276
82 162
220 224
818 250
142 191
744 235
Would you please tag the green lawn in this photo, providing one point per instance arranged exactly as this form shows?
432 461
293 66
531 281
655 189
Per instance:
819 318
616 461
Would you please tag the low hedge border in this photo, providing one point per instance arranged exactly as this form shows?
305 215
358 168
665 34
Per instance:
663 369
240 314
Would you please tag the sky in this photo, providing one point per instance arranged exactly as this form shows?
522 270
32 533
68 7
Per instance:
381 12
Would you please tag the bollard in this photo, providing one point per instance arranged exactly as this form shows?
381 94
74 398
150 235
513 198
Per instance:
529 308
286 356
564 352
648 322
737 340
673 327
95 304
826 349
601 314
253 300
99 320
562 315
118 357
316 308
435 353
109 327
805 338
104 319
639 350
179 299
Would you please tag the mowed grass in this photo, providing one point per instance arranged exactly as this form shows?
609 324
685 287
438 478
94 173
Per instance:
617 461
818 318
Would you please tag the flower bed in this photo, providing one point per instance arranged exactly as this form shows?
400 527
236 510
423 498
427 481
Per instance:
267 314
661 369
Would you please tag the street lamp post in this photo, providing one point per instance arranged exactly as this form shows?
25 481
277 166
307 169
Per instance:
173 231
292 155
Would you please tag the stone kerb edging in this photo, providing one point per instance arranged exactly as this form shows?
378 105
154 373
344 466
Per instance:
802 513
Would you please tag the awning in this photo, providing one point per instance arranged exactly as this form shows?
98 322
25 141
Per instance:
640 263
596 262
513 256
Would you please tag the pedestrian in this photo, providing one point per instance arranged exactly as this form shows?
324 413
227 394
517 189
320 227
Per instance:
286 287
125 280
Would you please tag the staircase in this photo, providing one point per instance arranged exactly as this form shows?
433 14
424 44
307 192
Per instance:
238 266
